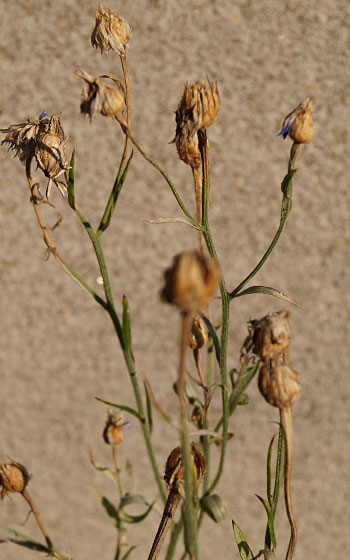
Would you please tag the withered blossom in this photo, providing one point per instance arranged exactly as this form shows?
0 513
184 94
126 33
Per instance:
198 109
111 32
271 335
113 430
14 477
44 140
279 384
97 97
191 281
299 124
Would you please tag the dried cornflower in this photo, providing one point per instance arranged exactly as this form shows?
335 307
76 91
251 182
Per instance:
198 109
97 97
111 32
43 139
279 384
113 430
191 281
271 335
299 124
14 477
198 334
174 473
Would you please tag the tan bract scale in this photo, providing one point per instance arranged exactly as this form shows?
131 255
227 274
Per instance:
174 468
191 281
279 384
111 32
14 477
271 335
51 152
97 97
198 334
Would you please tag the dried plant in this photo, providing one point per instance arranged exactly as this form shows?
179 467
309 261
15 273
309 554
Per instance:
193 279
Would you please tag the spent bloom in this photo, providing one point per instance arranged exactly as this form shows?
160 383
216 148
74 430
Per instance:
111 32
279 384
299 124
113 430
14 477
271 335
197 110
97 97
44 140
191 281
174 469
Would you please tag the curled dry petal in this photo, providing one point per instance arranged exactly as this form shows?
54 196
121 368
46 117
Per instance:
97 97
111 32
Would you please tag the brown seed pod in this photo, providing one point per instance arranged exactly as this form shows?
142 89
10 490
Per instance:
271 335
97 97
111 32
279 384
191 281
198 334
14 477
113 430
174 469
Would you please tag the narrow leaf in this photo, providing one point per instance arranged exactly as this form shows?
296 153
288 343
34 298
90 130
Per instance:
245 377
128 552
133 499
270 519
109 507
149 409
113 197
266 290
214 507
171 220
155 403
268 468
71 196
126 328
135 518
243 547
121 406
213 335
104 470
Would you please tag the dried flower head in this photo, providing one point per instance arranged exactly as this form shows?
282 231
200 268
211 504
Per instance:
174 469
43 139
299 124
113 430
271 335
111 32
198 109
198 334
97 97
191 281
14 477
279 384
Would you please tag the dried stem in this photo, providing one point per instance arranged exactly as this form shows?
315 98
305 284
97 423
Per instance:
37 516
286 423
172 502
197 179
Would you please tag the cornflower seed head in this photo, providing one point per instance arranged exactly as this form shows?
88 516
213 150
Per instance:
198 334
279 384
97 97
198 109
271 335
299 124
191 281
21 138
14 477
174 474
113 430
111 32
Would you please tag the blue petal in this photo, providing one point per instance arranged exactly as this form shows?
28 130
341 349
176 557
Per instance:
43 115
285 130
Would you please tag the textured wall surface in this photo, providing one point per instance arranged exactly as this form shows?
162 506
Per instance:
57 347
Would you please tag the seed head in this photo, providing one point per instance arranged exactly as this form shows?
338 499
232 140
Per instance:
97 97
299 124
198 334
111 32
279 384
174 469
191 281
271 335
113 430
14 477
198 109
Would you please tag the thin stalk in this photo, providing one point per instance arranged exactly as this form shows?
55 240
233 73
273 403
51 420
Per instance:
286 423
172 502
286 207
197 179
176 532
38 519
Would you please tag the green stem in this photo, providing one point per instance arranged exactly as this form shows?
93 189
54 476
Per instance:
286 206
